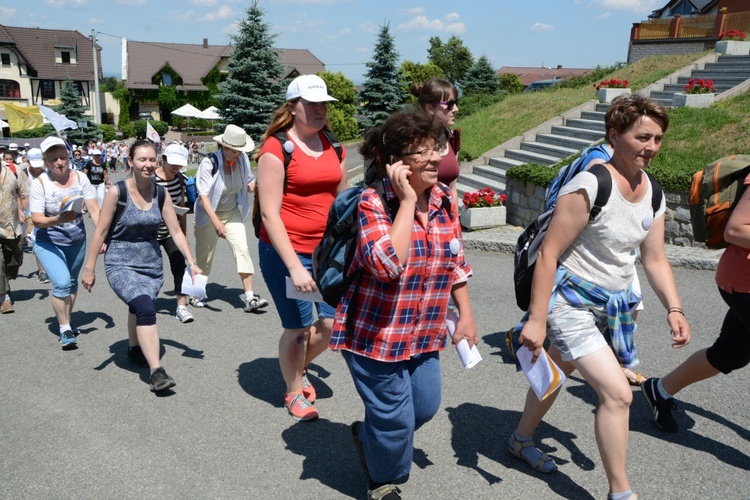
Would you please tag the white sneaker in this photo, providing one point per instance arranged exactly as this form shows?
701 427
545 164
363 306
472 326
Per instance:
196 302
184 315
253 304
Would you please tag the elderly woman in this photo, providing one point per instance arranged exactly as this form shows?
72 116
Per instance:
223 206
389 331
294 204
60 242
583 285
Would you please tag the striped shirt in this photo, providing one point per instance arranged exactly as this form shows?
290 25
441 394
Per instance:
175 190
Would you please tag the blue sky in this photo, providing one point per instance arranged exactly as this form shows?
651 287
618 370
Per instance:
573 33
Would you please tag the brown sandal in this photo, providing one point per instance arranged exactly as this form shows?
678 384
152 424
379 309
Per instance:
639 379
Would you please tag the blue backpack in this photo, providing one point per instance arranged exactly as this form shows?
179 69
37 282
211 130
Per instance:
568 172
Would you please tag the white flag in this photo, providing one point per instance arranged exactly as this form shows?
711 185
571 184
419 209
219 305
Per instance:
151 133
60 122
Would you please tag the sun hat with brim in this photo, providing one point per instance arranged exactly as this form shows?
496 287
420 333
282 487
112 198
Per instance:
177 155
235 138
34 155
311 88
51 142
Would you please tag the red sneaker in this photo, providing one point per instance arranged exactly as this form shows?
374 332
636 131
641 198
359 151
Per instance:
299 407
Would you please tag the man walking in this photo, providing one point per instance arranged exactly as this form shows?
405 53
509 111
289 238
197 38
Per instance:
12 189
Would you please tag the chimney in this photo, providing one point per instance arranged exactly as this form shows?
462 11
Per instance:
205 43
559 66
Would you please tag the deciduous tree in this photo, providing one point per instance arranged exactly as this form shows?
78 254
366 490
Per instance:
453 57
412 72
341 112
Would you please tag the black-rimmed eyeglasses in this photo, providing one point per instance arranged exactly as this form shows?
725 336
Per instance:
449 104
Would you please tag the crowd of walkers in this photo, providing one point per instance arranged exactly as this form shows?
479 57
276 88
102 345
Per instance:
409 264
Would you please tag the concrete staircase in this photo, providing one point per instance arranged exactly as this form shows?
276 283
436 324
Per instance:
727 72
566 135
544 148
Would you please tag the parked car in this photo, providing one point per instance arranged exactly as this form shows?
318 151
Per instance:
543 84
145 115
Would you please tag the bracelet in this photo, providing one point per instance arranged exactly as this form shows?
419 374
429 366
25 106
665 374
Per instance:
675 309
194 263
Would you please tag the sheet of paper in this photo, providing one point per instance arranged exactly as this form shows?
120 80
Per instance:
197 289
180 210
544 375
469 356
293 293
73 203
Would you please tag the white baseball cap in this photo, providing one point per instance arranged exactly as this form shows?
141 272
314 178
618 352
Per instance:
34 155
51 142
12 146
95 152
176 155
311 88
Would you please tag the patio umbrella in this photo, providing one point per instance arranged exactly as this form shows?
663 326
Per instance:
211 113
187 111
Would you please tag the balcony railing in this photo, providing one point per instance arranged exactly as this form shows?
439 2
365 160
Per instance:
685 28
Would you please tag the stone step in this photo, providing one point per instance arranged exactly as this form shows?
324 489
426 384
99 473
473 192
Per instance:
602 106
474 182
561 140
505 163
737 59
675 87
579 133
728 65
593 115
530 157
548 149
727 81
585 124
663 102
491 172
713 74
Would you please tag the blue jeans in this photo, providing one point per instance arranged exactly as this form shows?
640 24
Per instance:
294 314
62 265
399 398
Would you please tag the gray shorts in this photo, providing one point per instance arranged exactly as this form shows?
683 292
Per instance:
576 331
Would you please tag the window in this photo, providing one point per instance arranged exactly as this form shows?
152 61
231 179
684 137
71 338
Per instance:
683 8
48 89
65 56
5 59
10 89
166 79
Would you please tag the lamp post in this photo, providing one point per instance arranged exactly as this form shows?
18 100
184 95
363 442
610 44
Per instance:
95 100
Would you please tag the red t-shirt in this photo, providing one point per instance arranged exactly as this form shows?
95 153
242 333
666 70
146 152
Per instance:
733 271
311 189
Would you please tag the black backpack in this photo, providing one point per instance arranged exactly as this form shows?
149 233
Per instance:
288 150
122 203
527 247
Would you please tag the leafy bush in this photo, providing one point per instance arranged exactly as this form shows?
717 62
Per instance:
472 104
42 131
595 76
541 175
139 128
108 132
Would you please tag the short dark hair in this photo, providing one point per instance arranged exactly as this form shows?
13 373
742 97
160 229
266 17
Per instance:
625 111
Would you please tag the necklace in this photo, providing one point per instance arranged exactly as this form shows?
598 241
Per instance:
307 149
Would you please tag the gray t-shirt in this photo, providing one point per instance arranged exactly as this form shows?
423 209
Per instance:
604 253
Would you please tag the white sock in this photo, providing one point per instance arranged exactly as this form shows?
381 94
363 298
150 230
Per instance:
662 391
65 328
620 496
3 297
249 295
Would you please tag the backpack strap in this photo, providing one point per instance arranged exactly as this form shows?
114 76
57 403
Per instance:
214 162
604 180
656 193
283 138
335 143
122 202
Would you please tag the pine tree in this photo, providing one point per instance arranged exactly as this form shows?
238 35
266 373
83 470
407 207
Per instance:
481 78
254 87
72 109
382 93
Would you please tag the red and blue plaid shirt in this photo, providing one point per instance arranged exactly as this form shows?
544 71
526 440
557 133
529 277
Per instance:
400 308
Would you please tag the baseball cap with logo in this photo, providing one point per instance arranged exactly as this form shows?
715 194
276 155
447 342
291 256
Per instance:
311 88
34 155
51 142
12 146
176 155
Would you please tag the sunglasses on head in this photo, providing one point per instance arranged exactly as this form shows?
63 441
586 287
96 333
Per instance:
450 104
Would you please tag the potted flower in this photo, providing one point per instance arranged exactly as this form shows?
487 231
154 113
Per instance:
697 94
609 89
733 43
482 209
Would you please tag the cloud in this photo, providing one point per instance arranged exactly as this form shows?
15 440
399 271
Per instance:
345 31
632 5
231 29
6 12
604 15
541 27
314 2
204 3
131 2
224 12
412 12
422 23
453 16
61 4
368 27
95 20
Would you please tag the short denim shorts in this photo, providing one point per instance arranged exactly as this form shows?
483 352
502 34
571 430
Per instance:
294 314
576 331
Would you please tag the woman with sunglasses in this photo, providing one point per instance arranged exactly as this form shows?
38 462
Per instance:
439 99
390 324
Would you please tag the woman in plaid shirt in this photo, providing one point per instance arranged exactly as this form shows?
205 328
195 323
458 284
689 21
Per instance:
396 308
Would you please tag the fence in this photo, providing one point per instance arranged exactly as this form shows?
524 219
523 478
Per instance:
687 28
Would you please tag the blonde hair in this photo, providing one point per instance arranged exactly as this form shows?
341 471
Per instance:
283 119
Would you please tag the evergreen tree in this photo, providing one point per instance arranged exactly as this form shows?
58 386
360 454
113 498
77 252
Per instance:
382 93
72 109
254 87
453 57
481 78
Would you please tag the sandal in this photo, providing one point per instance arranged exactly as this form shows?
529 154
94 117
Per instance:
637 381
515 446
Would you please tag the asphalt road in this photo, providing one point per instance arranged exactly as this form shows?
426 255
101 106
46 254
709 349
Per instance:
83 424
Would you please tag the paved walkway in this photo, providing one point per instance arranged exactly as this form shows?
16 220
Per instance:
503 239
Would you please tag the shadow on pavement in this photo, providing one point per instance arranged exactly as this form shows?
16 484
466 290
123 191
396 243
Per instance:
330 456
29 294
80 320
261 378
491 442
